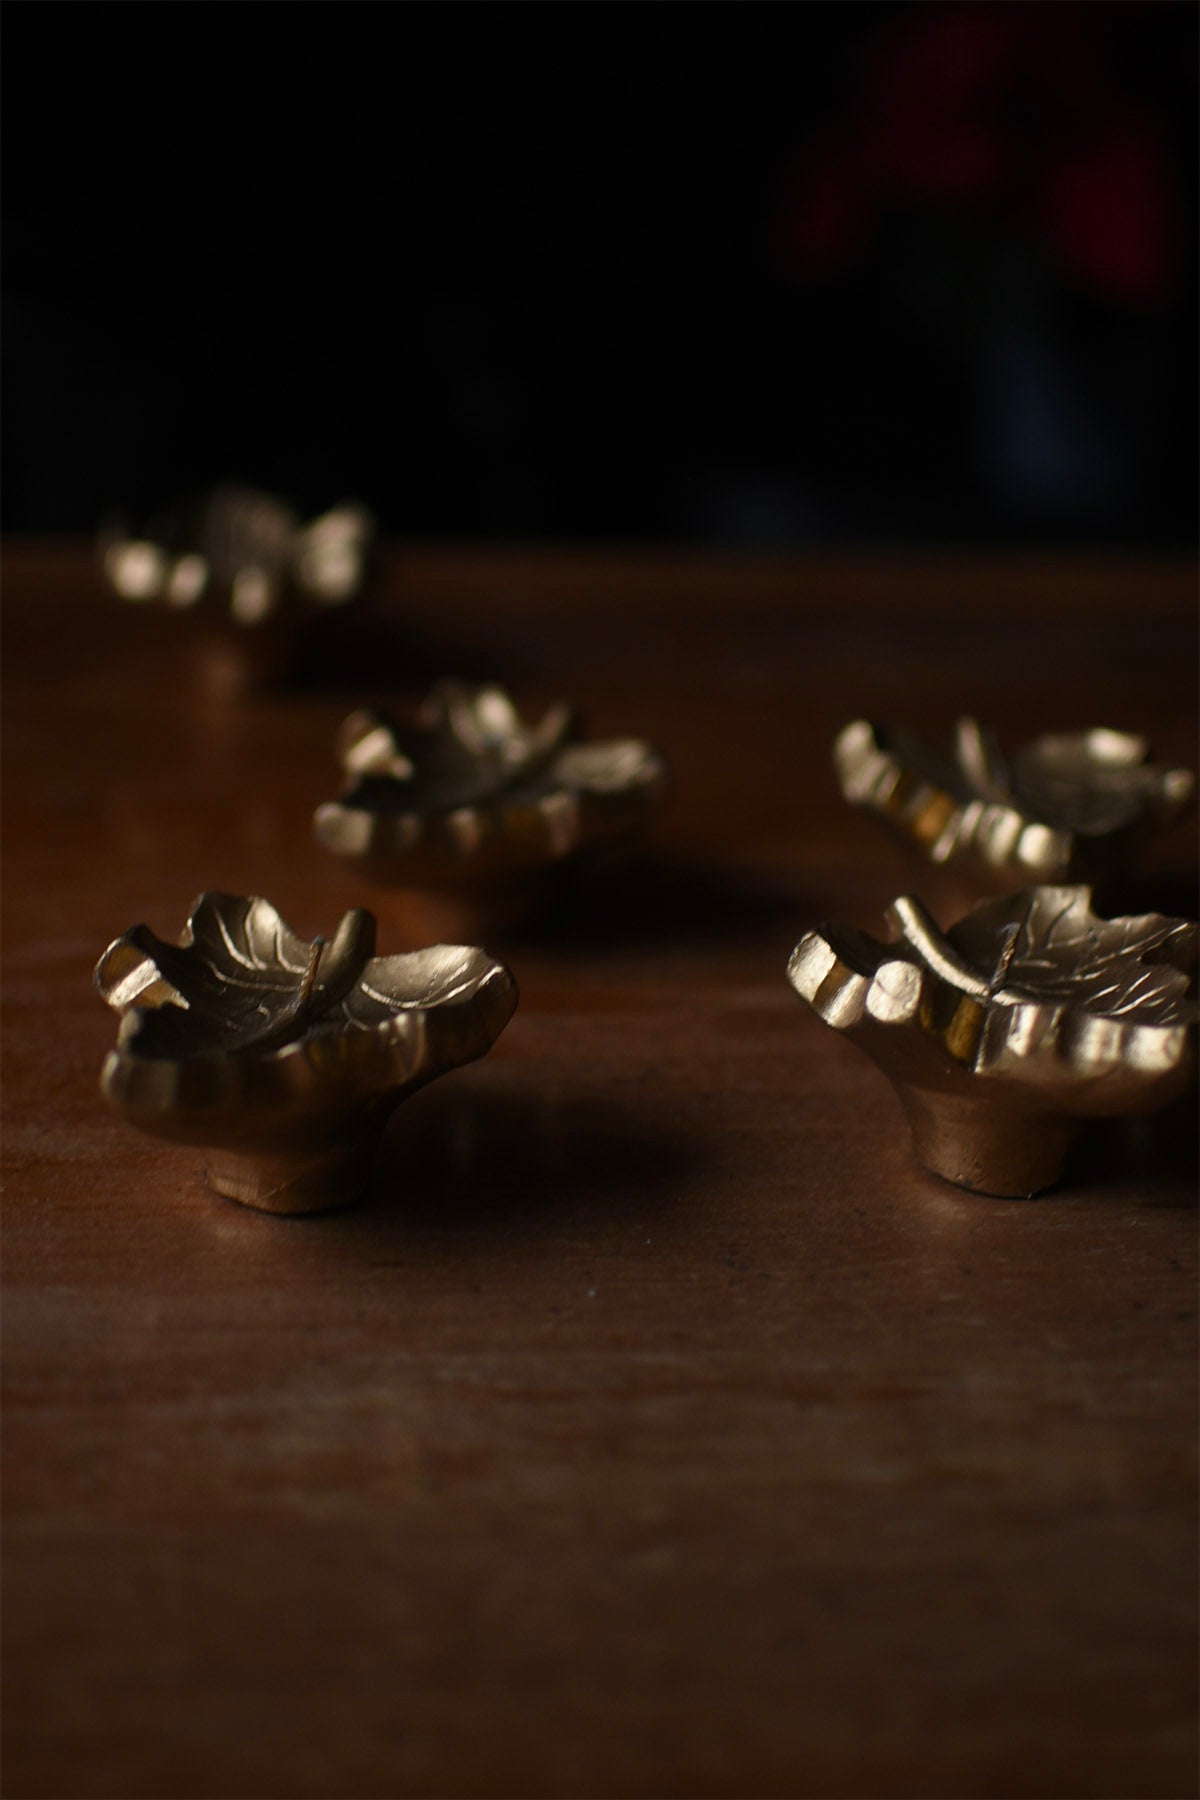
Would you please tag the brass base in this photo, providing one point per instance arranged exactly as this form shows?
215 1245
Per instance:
1003 1035
988 1148
296 1183
284 1059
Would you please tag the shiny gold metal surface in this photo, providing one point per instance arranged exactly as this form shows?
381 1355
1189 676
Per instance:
471 797
1003 1034
283 1058
1069 806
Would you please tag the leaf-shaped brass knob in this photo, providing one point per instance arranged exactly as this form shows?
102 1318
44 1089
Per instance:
471 794
1005 1032
250 551
1070 806
283 1058
251 579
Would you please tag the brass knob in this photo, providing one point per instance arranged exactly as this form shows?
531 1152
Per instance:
250 572
1001 1035
1071 806
472 800
285 1059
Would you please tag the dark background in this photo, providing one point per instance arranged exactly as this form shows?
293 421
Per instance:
754 274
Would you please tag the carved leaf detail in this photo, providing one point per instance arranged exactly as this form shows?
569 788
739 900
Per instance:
1069 803
1047 944
242 980
469 790
469 745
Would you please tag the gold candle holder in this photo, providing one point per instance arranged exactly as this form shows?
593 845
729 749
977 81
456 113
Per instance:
1068 807
1001 1035
248 571
474 807
285 1059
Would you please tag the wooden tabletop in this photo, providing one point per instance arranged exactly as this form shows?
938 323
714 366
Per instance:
655 1426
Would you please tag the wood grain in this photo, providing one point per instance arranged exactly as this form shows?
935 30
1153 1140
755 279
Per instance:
656 1427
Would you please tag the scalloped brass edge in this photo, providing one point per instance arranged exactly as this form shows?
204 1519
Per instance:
941 824
994 1083
995 836
506 832
243 1097
292 1124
